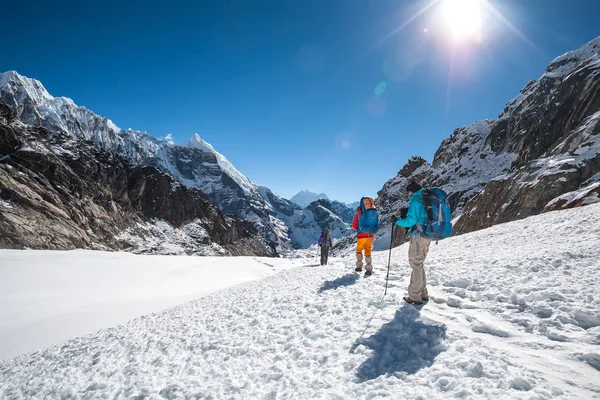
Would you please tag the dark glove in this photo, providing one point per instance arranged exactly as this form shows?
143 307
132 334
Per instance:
394 219
403 212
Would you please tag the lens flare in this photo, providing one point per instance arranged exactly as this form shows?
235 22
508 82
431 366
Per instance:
462 18
380 88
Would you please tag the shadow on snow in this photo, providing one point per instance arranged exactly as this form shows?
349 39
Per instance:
346 280
404 344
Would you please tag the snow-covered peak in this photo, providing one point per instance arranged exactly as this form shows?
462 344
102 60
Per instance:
34 88
197 142
248 187
305 197
57 112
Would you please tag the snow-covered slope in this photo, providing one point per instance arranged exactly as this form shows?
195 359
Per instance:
305 197
514 314
545 144
73 293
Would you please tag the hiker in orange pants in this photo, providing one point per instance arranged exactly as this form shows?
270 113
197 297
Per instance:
365 226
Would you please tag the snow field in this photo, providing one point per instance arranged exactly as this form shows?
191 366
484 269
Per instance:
513 315
47 297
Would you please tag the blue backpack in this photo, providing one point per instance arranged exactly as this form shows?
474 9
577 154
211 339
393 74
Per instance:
368 221
438 225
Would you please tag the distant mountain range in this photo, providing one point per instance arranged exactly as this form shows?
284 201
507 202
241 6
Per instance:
305 197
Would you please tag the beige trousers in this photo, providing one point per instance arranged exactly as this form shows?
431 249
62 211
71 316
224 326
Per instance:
417 251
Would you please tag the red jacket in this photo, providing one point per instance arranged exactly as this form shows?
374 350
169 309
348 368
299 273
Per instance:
355 227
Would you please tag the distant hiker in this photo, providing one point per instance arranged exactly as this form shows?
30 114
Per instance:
325 243
365 223
415 219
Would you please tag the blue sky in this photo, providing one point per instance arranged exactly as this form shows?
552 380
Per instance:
323 95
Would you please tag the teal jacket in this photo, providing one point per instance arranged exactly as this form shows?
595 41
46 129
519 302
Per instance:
416 214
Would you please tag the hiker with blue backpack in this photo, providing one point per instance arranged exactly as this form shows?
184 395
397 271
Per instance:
365 224
427 218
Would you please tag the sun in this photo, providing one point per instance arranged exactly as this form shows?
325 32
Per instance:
462 18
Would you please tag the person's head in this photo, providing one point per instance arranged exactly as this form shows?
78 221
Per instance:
358 210
412 188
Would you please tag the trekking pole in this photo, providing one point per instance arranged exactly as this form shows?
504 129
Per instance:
389 259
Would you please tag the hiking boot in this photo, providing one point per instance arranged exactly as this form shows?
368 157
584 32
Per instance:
410 301
368 273
358 269
425 298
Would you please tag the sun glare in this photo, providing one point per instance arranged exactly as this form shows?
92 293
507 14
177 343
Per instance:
462 18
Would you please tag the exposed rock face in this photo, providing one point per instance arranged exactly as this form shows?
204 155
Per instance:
60 193
333 215
342 210
541 153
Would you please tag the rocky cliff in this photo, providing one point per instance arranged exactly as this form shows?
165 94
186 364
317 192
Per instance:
541 154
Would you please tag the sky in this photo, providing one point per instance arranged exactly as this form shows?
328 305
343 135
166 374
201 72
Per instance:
331 96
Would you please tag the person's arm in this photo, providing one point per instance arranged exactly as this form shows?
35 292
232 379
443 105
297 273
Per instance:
412 216
355 222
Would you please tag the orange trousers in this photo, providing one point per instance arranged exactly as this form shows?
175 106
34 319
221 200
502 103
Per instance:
365 244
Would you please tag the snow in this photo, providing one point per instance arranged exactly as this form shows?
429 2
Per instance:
514 314
564 65
160 237
248 187
305 197
113 126
47 297
583 193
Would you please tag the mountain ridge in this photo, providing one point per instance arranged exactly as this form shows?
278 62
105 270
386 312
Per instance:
196 165
545 145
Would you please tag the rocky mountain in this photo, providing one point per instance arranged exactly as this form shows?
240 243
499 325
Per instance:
303 225
342 210
542 152
57 192
196 165
305 197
